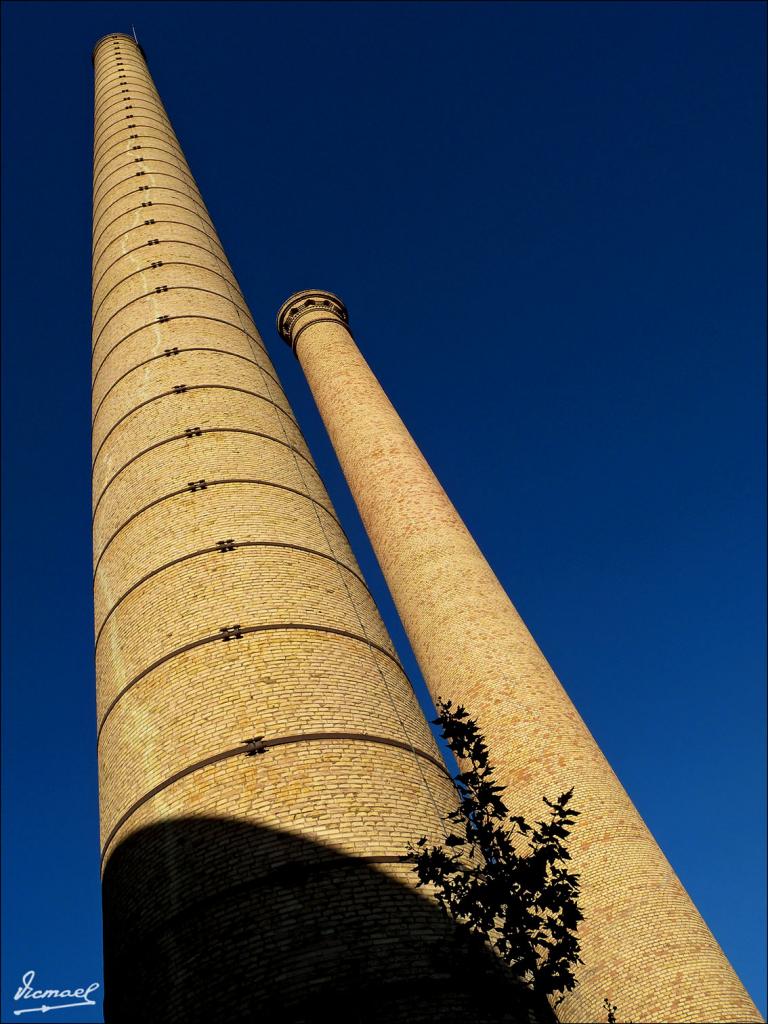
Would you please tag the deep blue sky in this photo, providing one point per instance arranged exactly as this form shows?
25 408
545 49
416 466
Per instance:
548 224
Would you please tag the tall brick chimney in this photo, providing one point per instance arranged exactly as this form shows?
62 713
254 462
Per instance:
263 760
644 944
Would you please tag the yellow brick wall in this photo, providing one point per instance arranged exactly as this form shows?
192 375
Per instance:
314 655
644 944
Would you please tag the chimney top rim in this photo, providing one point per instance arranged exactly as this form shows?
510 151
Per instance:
115 35
312 298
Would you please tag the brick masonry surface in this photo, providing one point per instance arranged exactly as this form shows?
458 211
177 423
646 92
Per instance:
644 944
228 605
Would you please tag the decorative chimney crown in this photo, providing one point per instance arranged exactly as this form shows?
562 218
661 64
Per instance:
322 305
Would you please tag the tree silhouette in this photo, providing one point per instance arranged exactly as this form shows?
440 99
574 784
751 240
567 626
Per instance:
504 882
